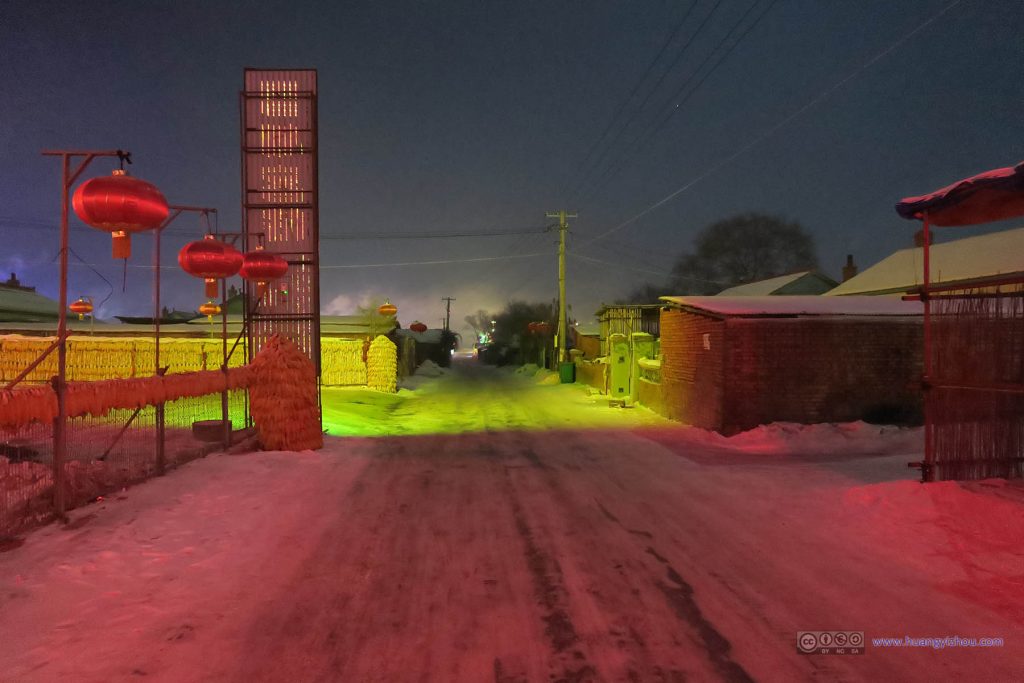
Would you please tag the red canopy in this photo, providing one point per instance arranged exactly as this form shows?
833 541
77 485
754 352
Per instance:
984 198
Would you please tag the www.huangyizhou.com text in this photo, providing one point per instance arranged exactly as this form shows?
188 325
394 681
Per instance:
937 643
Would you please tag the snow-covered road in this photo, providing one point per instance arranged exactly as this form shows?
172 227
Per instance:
521 531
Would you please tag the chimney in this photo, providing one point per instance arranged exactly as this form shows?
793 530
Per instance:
919 238
850 269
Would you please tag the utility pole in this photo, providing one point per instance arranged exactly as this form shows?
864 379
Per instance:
563 228
448 310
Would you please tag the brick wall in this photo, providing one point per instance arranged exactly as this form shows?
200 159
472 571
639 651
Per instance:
692 379
590 345
812 370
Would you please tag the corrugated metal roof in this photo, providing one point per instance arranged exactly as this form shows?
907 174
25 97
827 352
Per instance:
997 253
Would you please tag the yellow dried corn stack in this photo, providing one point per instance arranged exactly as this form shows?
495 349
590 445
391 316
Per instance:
382 365
341 362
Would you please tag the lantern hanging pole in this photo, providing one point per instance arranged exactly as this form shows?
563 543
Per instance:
176 210
927 468
225 416
68 178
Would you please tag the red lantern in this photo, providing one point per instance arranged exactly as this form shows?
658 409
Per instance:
418 327
532 328
209 309
543 328
262 267
388 309
82 307
120 205
211 260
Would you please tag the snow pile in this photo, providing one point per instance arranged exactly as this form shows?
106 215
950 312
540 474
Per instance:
429 368
538 374
788 438
547 377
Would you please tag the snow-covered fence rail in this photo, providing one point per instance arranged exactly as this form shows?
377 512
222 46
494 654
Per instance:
650 370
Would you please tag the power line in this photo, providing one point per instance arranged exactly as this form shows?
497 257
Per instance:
622 105
677 276
686 46
655 125
431 263
433 235
11 223
814 101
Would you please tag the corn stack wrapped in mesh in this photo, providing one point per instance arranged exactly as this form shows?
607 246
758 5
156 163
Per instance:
283 397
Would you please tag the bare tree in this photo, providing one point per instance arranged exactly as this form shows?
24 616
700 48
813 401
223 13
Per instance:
743 248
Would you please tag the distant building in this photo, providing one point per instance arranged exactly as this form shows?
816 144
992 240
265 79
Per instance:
801 283
970 261
22 304
626 319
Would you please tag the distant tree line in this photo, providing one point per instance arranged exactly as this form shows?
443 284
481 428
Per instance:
733 251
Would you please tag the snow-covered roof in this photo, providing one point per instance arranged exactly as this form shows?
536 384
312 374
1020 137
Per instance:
997 253
765 306
25 305
778 285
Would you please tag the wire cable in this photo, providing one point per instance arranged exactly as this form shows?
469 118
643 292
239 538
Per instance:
686 46
629 98
810 104
655 125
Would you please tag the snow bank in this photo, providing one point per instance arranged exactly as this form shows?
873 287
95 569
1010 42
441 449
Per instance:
788 438
537 374
429 368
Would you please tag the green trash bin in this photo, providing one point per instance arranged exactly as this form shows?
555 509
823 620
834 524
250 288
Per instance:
567 372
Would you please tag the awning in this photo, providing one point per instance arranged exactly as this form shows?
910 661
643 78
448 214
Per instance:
987 197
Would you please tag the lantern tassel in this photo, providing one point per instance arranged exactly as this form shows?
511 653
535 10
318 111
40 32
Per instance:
122 244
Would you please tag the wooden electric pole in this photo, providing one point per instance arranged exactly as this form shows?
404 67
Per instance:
448 310
563 228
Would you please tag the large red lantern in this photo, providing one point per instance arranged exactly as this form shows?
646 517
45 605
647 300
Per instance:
211 260
82 307
120 205
418 327
388 309
262 267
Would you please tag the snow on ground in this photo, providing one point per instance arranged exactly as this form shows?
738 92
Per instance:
828 440
493 528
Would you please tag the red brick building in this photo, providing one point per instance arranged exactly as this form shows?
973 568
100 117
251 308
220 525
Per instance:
733 363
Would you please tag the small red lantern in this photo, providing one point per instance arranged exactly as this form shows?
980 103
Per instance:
120 205
532 328
543 328
82 307
418 327
211 260
388 309
262 267
209 309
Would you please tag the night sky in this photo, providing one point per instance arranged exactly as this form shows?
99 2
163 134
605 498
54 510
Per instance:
473 116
